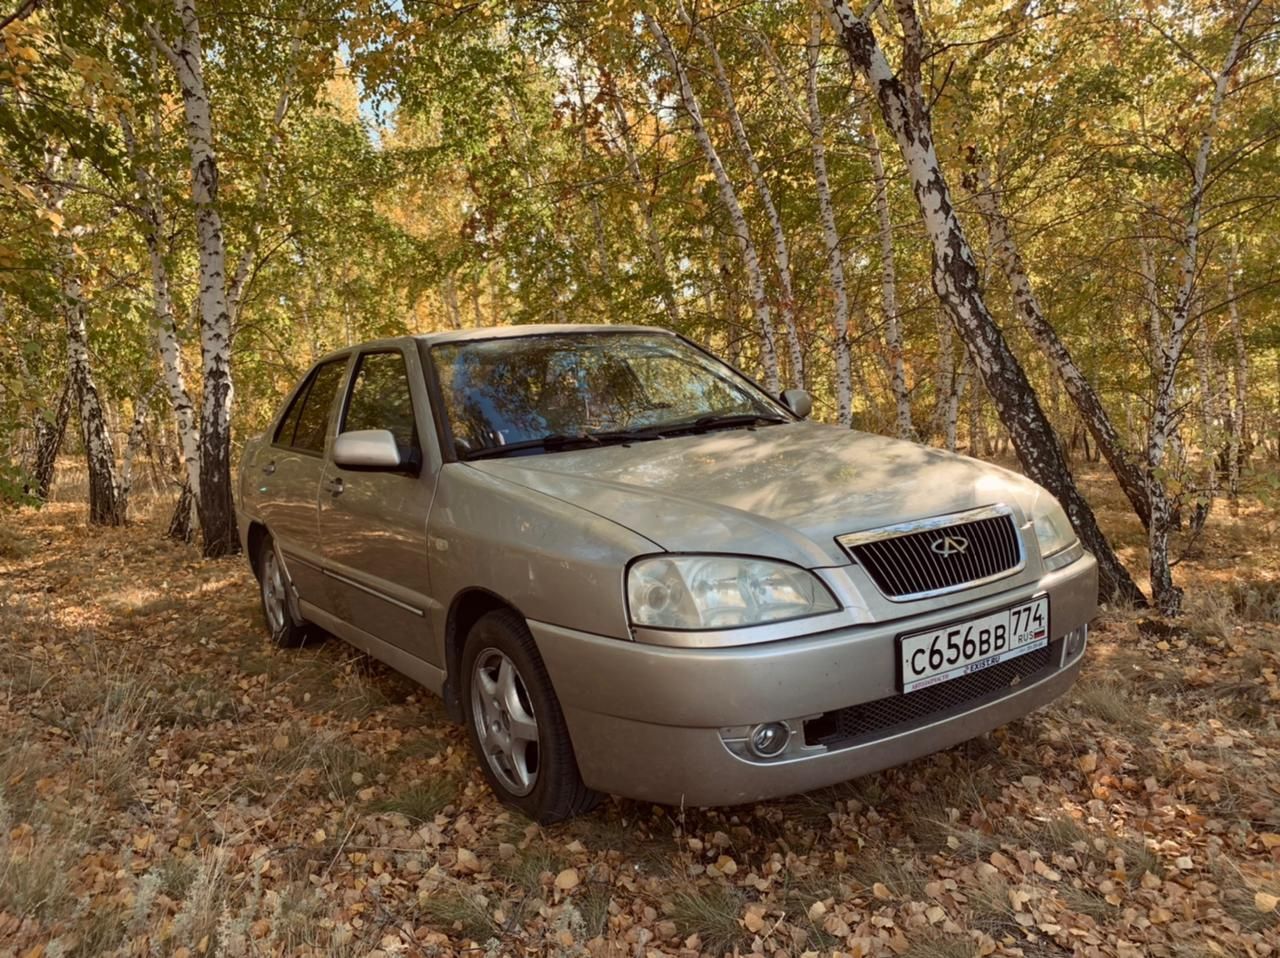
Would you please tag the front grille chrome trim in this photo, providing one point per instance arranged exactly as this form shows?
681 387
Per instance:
885 534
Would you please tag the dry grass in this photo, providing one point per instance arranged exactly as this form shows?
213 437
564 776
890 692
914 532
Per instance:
167 775
712 913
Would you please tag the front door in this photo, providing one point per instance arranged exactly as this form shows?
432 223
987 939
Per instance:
373 524
289 479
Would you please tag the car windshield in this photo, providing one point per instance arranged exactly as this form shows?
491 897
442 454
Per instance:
545 392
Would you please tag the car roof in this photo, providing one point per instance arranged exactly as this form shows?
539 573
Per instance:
532 329
487 332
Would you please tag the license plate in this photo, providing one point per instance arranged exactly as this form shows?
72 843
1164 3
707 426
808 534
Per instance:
962 648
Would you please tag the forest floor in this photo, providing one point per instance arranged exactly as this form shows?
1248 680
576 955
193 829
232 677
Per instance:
171 784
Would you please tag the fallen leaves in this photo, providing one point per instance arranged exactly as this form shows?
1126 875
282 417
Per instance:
314 802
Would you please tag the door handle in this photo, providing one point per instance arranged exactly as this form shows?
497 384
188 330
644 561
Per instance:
335 486
269 468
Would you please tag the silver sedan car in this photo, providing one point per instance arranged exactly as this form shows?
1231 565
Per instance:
629 569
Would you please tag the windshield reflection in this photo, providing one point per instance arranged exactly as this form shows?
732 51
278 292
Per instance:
556 388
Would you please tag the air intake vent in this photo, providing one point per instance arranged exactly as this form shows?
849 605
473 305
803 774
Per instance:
938 555
858 724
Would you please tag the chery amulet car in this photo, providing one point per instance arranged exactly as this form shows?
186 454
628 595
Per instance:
628 569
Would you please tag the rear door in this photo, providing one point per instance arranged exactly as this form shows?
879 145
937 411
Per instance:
289 478
373 524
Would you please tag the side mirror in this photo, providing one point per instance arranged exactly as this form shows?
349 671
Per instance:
798 401
367 449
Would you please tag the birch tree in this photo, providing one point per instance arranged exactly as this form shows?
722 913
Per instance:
729 198
1240 381
152 215
781 248
105 506
1165 413
219 534
622 137
956 279
1027 307
830 235
888 280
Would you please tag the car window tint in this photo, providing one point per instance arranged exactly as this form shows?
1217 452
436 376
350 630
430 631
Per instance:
313 421
284 434
380 399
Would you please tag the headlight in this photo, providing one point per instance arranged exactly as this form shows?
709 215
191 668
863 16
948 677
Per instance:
721 592
1053 528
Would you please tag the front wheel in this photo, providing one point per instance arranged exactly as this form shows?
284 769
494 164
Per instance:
515 723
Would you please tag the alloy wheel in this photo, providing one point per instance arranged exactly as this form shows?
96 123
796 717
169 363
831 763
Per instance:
502 714
273 592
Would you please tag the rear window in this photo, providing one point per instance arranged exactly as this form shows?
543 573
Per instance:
305 424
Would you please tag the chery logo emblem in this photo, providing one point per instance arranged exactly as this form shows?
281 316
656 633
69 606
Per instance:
948 546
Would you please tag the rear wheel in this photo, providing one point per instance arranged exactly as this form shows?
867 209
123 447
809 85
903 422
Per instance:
515 723
285 629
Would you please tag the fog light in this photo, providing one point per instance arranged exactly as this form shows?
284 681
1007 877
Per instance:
769 739
1075 641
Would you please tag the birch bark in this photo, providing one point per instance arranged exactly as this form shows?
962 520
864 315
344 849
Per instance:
166 332
104 490
1240 377
49 435
1165 415
105 506
888 281
133 443
217 509
1027 306
957 282
781 248
729 197
830 235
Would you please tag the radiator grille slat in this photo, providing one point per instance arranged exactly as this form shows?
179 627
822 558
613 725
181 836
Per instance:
908 564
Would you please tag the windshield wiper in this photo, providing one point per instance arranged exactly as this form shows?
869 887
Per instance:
559 441
738 419
553 442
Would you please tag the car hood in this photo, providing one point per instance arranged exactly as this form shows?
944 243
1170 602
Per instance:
785 491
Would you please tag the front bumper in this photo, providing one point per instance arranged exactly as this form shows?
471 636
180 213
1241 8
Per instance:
651 722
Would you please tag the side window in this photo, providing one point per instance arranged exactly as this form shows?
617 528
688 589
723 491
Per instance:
313 420
284 434
380 399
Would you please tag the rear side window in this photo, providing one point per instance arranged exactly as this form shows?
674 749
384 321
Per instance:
307 420
381 399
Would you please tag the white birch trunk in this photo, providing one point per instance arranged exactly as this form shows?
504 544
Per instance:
166 332
142 409
104 489
945 375
729 197
830 235
1165 414
888 281
1239 408
781 248
217 510
957 282
1027 307
105 506
1208 423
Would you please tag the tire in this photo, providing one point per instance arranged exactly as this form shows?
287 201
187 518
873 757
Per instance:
515 724
286 630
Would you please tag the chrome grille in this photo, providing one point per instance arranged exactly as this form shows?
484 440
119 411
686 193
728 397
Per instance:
858 724
914 559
